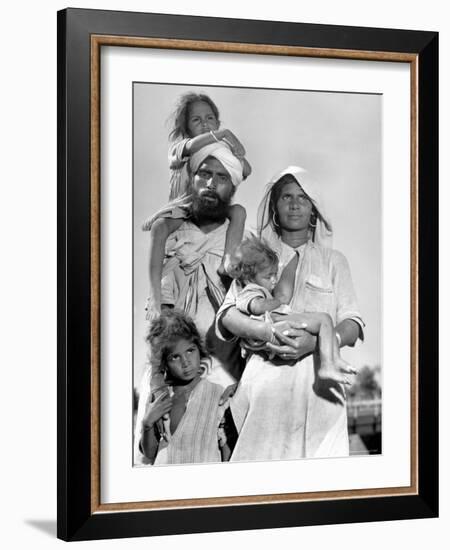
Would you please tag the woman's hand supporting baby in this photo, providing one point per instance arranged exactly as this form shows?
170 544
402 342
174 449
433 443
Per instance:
286 339
293 341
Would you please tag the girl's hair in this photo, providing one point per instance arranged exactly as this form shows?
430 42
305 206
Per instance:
180 116
172 325
254 255
275 194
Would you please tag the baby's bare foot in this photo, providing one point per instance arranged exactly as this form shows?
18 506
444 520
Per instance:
337 372
343 366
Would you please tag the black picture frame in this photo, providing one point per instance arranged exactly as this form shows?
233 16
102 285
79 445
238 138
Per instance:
78 516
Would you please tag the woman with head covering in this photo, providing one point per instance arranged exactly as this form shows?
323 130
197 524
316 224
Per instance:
282 409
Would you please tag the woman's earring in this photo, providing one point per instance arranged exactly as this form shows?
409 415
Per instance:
313 222
273 220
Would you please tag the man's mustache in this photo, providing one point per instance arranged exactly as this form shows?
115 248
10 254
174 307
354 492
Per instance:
209 193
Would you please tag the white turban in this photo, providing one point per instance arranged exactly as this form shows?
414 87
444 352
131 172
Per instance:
223 154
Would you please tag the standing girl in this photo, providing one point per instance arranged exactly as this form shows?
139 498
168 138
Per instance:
193 427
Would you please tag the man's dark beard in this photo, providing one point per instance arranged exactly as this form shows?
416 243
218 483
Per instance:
206 211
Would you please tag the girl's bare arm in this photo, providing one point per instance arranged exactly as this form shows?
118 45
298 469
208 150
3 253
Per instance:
225 135
259 306
196 143
149 444
154 411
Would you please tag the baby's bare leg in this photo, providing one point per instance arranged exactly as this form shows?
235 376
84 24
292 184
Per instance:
332 366
322 325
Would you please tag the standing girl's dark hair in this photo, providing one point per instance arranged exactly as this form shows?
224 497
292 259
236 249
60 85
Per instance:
180 116
172 325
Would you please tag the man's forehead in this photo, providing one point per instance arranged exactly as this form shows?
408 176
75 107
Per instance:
212 163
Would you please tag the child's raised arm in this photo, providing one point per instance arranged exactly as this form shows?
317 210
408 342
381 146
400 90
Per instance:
194 144
160 231
187 147
237 148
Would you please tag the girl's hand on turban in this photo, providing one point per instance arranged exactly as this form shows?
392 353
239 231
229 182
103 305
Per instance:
232 141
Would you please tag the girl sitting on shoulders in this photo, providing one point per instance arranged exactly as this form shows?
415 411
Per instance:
195 124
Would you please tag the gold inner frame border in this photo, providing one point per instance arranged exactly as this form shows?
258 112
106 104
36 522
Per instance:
97 41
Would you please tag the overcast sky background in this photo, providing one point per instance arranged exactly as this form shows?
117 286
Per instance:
335 136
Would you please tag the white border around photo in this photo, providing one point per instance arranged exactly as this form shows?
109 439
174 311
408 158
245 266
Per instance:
120 482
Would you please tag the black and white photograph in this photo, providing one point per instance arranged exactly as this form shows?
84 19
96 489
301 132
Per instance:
257 258
224 237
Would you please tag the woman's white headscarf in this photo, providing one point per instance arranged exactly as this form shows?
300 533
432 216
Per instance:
323 232
223 154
